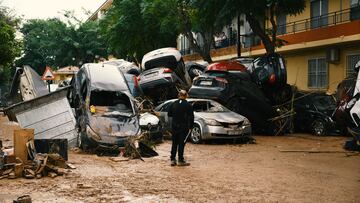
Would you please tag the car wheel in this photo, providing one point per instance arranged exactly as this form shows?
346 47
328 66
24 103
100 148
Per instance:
194 72
318 127
84 142
196 134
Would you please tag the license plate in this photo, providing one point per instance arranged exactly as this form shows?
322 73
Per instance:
235 132
205 82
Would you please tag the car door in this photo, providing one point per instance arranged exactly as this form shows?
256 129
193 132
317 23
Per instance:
304 109
164 118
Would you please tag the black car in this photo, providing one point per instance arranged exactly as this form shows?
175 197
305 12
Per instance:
230 84
314 112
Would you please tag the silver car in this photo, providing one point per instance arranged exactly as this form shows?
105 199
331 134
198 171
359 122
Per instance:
212 121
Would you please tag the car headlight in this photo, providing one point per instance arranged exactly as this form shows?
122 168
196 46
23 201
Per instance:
211 122
92 134
246 122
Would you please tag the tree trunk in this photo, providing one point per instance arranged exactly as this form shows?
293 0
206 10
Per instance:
203 51
258 30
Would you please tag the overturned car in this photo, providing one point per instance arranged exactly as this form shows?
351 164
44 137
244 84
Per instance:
164 72
105 110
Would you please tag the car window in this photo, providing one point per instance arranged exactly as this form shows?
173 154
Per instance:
216 73
208 106
165 107
324 102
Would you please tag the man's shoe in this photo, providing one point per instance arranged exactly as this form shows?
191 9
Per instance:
183 163
173 162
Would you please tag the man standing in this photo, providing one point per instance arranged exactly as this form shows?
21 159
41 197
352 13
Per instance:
182 122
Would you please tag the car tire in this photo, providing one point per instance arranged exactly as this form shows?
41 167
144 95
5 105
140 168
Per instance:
196 134
194 72
84 142
318 127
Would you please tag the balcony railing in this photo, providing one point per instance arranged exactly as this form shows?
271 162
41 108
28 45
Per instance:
329 19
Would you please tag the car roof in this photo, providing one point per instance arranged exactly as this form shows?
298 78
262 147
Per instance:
105 77
226 66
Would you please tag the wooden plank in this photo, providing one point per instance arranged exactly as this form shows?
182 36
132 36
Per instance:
21 137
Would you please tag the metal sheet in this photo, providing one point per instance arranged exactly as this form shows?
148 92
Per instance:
50 116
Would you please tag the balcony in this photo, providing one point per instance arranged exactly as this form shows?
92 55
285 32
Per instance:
330 19
299 31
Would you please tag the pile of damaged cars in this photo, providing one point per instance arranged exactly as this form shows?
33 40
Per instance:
110 102
246 89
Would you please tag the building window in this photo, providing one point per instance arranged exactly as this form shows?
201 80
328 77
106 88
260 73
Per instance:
354 9
351 61
317 73
281 23
318 13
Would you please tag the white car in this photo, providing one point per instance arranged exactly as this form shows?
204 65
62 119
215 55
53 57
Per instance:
211 120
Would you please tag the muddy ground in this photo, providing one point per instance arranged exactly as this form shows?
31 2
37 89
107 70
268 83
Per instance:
219 172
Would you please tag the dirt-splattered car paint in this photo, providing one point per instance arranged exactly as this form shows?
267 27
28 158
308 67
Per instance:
106 112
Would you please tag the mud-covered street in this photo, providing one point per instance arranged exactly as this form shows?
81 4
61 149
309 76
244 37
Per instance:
219 172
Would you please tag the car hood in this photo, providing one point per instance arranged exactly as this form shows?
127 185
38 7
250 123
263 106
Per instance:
223 117
118 126
148 118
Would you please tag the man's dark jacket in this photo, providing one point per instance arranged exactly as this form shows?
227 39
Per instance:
182 115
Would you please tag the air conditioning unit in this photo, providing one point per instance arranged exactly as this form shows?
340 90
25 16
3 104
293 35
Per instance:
333 55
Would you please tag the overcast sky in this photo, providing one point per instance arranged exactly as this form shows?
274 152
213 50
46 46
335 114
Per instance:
44 9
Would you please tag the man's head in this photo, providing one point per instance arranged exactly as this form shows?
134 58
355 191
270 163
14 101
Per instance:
182 94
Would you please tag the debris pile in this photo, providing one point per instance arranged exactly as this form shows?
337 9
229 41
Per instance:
22 160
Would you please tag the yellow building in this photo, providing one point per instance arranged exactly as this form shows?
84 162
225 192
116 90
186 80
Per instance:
65 73
100 12
323 44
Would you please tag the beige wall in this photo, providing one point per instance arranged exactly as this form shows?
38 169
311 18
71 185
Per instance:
297 66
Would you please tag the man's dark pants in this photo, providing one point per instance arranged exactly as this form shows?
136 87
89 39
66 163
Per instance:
178 137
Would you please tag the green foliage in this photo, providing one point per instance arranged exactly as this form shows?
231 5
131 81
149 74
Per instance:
9 45
134 27
54 43
257 11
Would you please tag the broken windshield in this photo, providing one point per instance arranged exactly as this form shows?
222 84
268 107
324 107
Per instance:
110 104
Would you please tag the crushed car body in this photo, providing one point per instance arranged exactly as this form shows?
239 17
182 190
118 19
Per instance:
125 66
314 113
230 84
163 73
106 111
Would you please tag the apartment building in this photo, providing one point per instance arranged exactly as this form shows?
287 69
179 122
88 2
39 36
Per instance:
323 43
100 12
